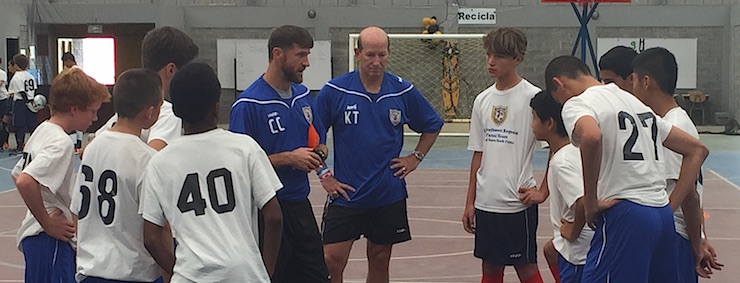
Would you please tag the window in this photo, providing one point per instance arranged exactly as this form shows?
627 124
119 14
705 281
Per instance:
95 55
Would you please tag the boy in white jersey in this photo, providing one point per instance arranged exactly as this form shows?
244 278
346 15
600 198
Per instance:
655 75
503 144
570 241
107 191
43 177
210 200
22 88
163 50
615 66
619 138
4 127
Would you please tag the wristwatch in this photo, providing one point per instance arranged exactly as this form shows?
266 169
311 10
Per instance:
320 153
419 155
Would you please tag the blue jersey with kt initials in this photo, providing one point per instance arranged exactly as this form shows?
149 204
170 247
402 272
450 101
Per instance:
368 133
278 125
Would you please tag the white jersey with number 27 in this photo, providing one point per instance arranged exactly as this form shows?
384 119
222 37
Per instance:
632 137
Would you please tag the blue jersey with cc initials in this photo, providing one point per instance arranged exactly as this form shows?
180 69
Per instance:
368 133
278 125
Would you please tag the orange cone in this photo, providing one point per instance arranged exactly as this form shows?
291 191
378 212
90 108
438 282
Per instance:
313 137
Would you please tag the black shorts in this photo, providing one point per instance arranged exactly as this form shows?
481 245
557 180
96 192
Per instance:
301 255
383 225
22 117
506 238
5 107
91 279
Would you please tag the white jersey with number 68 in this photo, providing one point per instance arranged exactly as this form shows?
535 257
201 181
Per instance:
106 199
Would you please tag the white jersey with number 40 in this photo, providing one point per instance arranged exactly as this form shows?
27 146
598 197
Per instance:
106 201
632 144
209 186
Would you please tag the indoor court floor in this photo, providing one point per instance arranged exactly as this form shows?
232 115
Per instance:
441 251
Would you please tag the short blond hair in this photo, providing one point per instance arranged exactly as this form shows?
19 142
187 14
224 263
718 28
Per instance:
505 41
74 88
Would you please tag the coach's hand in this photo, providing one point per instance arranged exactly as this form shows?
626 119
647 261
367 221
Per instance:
305 159
468 219
404 165
59 227
335 188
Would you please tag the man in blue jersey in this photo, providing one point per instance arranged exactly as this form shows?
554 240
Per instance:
278 112
367 110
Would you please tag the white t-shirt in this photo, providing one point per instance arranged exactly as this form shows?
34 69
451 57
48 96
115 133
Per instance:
210 200
565 182
22 81
632 137
106 201
167 128
48 158
500 127
678 117
3 82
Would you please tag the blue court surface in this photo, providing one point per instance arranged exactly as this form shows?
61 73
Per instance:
452 153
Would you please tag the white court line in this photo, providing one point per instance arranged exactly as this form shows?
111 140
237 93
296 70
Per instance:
13 189
8 233
418 256
12 265
417 186
437 207
725 179
725 239
448 277
415 206
13 206
3 280
9 157
440 237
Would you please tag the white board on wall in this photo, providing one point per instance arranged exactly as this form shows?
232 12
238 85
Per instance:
251 62
685 50
226 56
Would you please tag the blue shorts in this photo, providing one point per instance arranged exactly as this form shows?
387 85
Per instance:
685 261
48 259
101 280
633 243
569 273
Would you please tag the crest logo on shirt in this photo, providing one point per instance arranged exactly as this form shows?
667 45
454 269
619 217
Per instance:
395 116
308 114
499 114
